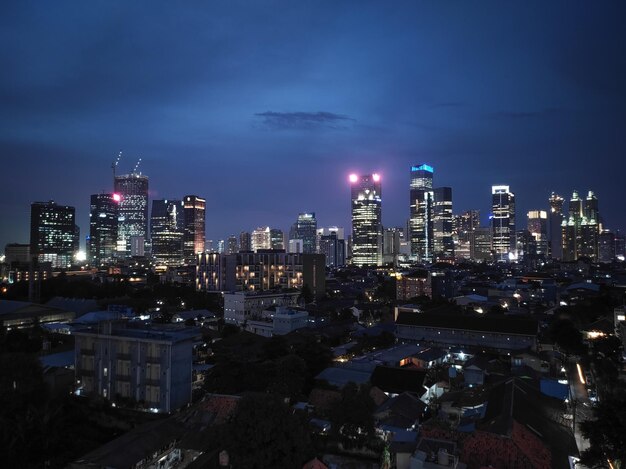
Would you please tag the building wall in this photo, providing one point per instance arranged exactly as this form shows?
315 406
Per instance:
460 337
240 306
152 371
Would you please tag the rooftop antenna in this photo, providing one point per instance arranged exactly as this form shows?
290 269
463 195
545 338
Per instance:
114 165
136 166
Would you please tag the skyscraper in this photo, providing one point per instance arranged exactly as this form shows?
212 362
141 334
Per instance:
421 212
166 230
537 227
305 229
132 213
334 249
581 230
194 220
245 241
366 219
503 222
103 228
232 246
53 233
277 239
555 221
443 224
261 238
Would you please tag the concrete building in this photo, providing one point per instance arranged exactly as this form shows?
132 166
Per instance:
103 222
260 271
194 216
133 214
367 230
53 233
498 333
242 306
15 252
503 222
167 231
414 284
152 366
421 199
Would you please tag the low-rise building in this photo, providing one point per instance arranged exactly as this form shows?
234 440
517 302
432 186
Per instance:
241 306
499 333
149 366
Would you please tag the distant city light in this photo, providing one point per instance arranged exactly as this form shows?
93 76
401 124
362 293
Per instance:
81 256
353 178
117 197
376 177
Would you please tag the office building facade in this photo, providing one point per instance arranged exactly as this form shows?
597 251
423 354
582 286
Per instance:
194 220
503 222
443 224
305 229
554 224
54 234
167 231
421 212
132 230
366 201
103 216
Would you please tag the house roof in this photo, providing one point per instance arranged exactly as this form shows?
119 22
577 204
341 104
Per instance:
503 325
401 411
79 306
341 376
515 401
398 380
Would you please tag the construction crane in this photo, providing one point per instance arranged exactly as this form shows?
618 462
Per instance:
136 166
114 165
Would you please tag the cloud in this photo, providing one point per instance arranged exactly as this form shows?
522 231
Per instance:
304 120
547 112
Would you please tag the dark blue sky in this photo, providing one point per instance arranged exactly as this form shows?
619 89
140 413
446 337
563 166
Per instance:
265 107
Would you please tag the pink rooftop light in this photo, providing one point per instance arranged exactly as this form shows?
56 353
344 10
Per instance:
376 177
353 178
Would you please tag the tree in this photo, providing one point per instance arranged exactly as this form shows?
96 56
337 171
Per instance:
264 432
565 334
607 433
353 423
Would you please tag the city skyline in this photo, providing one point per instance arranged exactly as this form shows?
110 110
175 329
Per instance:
500 95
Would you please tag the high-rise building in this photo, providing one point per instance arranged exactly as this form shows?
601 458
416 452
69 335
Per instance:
606 246
232 246
334 249
464 226
18 253
194 220
53 233
467 221
103 228
366 219
166 230
537 227
503 222
277 239
392 240
481 244
132 226
261 238
581 230
245 241
555 221
443 224
305 229
421 212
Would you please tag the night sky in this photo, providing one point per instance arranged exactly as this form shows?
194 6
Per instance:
265 107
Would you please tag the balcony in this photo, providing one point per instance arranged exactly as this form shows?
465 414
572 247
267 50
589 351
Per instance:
123 356
153 359
87 351
153 382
